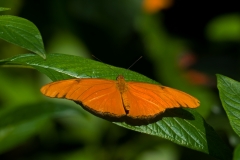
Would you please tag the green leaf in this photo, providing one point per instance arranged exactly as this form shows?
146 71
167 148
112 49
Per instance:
229 91
62 66
21 32
187 128
237 153
20 123
182 126
4 9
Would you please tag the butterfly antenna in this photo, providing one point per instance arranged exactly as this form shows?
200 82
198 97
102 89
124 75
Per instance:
97 58
102 62
135 62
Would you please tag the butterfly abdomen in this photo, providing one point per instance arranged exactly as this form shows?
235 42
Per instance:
123 88
121 84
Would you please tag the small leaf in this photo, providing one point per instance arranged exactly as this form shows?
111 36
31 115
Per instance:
229 91
4 9
182 126
237 153
21 32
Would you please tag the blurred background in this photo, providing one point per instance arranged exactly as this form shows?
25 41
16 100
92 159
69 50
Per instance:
183 44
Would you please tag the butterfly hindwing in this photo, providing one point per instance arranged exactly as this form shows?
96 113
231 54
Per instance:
148 100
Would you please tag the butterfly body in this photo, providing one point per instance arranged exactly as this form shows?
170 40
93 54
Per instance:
120 98
123 88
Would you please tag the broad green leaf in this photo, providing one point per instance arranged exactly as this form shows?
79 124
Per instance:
237 153
20 123
187 128
21 32
62 66
4 9
229 91
182 126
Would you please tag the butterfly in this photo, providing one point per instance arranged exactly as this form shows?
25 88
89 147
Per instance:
120 98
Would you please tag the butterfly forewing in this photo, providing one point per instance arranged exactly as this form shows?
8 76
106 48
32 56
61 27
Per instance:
98 95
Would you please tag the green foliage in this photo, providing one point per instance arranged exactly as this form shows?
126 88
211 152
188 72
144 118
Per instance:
236 155
61 66
229 91
21 32
185 127
224 28
20 123
153 34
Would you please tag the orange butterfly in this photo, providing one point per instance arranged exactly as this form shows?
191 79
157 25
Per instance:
119 98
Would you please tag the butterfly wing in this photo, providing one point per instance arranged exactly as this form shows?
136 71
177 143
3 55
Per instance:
98 95
148 100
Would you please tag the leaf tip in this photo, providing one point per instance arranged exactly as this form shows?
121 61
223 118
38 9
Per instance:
43 56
